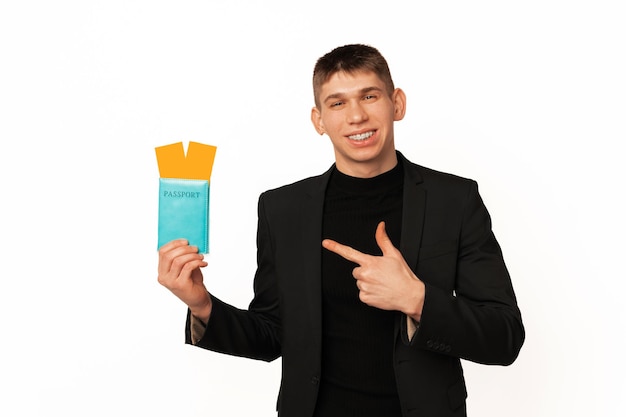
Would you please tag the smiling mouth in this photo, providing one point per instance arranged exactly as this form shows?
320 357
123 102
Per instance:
362 136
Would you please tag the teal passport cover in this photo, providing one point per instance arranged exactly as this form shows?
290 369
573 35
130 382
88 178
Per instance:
184 212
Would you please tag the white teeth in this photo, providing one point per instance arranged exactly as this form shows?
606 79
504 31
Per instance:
362 136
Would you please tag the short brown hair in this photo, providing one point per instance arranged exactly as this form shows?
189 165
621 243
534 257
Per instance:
350 58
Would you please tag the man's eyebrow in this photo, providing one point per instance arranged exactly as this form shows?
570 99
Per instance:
370 89
361 92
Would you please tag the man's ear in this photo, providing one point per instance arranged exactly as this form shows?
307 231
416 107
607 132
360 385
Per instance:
316 119
399 104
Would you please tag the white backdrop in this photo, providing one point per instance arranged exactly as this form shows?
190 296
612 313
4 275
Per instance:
528 98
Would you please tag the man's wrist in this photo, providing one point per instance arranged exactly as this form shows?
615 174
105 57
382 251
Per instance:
416 303
203 313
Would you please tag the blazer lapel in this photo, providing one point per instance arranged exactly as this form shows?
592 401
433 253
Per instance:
311 212
413 209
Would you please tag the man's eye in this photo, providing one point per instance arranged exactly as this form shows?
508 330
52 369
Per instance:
369 97
336 104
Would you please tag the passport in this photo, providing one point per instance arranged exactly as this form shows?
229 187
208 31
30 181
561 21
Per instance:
184 212
184 186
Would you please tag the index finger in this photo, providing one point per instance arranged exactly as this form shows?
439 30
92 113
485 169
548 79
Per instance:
172 245
345 251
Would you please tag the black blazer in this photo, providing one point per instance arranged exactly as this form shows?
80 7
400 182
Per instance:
470 310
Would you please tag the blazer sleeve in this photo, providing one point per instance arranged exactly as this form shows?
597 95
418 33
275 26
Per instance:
255 332
478 320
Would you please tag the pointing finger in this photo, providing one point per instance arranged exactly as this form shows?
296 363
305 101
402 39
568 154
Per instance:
344 251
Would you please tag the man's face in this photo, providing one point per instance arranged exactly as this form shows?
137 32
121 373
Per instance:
357 113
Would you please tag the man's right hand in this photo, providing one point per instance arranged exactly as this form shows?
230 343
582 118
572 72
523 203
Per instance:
179 272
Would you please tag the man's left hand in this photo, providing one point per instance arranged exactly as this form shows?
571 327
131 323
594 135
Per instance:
386 281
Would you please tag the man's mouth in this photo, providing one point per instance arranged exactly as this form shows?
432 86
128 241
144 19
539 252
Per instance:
362 136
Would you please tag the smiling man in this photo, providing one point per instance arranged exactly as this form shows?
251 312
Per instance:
374 279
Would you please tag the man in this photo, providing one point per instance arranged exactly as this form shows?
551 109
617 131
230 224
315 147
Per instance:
373 280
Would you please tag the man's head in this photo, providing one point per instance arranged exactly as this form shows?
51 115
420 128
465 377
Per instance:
350 59
356 105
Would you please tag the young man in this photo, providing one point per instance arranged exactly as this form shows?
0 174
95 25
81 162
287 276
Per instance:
374 279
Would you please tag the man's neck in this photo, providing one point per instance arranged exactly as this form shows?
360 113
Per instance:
367 169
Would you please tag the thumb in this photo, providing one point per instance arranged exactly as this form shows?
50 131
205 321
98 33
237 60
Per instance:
383 241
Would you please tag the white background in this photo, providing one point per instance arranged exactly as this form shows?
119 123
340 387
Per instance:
528 98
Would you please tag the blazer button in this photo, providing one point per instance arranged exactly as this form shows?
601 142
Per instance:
315 380
429 344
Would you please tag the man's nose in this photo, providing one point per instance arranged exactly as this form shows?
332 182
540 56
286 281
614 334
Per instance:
356 113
